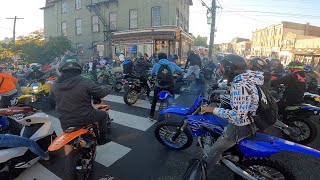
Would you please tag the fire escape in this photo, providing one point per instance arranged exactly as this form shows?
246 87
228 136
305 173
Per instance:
96 6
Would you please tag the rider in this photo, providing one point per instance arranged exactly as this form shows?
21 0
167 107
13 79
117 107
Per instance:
195 64
276 68
312 83
7 88
141 67
35 74
244 101
257 64
71 95
128 66
295 85
162 76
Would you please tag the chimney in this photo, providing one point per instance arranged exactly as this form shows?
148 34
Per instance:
306 30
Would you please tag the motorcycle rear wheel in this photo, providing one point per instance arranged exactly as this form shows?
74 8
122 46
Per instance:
265 169
118 86
305 129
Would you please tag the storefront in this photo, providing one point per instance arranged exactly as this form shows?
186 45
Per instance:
310 56
134 42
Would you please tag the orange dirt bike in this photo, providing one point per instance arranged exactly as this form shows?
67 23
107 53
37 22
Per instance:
83 142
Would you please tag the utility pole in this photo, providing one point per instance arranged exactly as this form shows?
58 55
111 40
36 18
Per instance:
14 28
212 10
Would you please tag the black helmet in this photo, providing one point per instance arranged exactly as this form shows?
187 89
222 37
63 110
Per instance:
275 62
70 63
257 64
233 65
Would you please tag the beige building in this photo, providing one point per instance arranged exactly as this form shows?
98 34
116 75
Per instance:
234 42
243 48
223 47
305 49
268 41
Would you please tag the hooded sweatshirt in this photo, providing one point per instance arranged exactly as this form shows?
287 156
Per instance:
244 98
141 67
172 66
72 95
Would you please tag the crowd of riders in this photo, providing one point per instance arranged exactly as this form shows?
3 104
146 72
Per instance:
72 94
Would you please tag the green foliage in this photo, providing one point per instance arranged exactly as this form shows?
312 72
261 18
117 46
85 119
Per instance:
35 49
201 41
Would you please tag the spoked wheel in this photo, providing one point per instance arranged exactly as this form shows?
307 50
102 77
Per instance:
118 86
266 169
131 96
87 164
303 131
162 106
168 134
111 79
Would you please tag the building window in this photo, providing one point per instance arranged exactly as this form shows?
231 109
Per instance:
64 28
94 1
78 4
113 20
95 24
155 16
94 47
133 16
181 20
177 17
63 7
78 26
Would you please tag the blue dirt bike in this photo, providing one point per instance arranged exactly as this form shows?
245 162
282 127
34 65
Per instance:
249 159
165 98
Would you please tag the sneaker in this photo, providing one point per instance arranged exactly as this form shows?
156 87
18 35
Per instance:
150 118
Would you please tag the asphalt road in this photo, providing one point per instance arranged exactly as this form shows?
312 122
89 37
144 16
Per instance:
134 153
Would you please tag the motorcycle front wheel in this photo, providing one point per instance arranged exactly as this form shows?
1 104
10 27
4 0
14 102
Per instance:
118 86
304 131
131 96
165 131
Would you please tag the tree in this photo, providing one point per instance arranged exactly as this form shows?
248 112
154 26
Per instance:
56 46
201 41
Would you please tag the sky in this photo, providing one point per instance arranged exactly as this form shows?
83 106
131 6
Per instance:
236 18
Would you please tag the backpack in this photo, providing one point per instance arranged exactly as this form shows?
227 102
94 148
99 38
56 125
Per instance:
267 112
165 77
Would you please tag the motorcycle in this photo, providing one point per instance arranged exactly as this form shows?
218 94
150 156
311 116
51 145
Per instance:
106 77
313 99
84 142
137 87
165 99
122 83
40 87
37 126
248 159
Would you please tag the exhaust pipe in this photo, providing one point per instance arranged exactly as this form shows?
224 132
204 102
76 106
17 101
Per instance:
237 170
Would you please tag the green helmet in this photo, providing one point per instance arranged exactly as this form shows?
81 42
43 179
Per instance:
295 65
70 62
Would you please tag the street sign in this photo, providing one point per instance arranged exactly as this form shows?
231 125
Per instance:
100 48
101 53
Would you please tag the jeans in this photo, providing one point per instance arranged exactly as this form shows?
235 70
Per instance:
193 69
155 98
231 135
13 141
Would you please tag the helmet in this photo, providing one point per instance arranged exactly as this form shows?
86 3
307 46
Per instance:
35 67
233 65
275 62
295 65
307 68
257 64
70 62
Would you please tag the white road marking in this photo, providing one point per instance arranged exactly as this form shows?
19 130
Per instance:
111 152
140 103
132 121
37 171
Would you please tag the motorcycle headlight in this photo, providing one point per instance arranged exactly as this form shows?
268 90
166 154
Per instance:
35 89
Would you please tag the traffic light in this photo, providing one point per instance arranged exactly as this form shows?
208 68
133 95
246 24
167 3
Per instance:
178 34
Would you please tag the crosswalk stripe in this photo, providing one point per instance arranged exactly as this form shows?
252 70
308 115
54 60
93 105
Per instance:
110 153
132 121
37 171
140 103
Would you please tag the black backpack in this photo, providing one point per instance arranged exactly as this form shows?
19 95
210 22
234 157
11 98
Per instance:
165 77
312 82
267 112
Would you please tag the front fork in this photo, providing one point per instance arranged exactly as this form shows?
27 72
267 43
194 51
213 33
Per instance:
179 130
284 127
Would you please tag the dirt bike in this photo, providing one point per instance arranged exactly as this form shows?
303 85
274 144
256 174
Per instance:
37 126
106 77
84 142
40 87
137 87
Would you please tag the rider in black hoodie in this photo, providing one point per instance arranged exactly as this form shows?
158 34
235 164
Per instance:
141 67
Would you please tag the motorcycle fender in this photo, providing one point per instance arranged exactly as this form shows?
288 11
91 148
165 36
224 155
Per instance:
7 154
44 131
34 119
178 110
65 138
